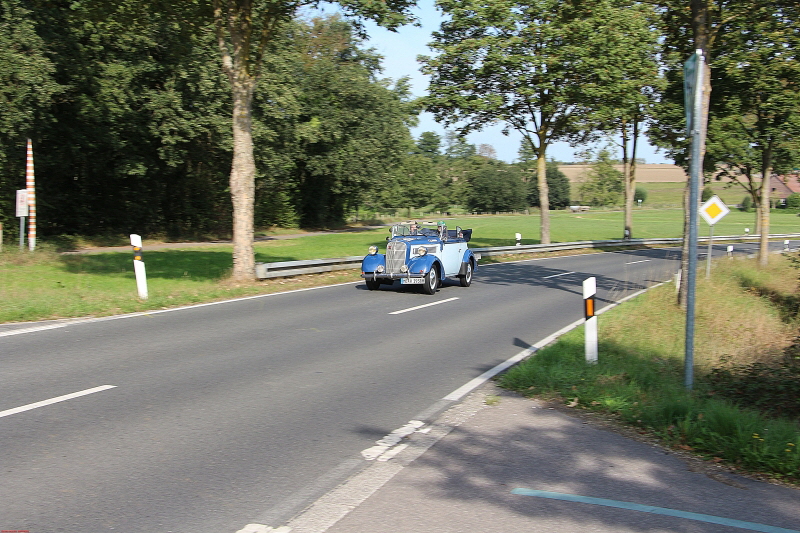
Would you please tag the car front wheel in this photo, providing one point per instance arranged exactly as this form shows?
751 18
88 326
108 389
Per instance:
431 281
466 279
373 284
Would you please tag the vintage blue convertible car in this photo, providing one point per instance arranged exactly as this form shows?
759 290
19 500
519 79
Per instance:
421 254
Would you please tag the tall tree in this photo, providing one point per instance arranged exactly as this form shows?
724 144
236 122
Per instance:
626 90
757 106
27 89
523 64
429 144
245 29
715 27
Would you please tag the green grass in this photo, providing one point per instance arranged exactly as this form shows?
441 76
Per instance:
639 374
46 285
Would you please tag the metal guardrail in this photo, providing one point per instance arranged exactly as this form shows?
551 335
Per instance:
315 266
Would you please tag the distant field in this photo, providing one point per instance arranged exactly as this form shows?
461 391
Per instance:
670 194
47 285
644 173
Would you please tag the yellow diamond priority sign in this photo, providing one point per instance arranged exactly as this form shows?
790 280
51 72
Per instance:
713 210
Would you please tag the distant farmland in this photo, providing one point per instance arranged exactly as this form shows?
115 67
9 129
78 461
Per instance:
644 173
664 184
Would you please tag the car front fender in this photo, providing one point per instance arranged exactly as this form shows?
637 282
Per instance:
371 262
424 263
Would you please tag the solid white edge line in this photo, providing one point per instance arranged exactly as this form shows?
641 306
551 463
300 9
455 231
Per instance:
473 384
422 306
31 329
79 321
634 262
557 275
51 401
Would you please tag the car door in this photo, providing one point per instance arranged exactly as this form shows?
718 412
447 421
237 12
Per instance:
452 254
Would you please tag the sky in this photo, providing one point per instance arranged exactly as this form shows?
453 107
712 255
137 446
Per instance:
400 50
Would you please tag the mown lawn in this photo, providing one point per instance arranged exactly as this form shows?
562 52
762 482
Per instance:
46 285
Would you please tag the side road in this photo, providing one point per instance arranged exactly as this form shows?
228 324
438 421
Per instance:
522 465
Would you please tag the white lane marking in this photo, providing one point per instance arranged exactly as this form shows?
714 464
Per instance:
51 401
261 528
557 275
422 306
160 311
634 262
382 446
31 329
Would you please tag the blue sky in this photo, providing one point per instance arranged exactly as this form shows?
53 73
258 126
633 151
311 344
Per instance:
400 50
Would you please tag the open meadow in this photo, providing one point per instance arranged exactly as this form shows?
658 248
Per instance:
47 285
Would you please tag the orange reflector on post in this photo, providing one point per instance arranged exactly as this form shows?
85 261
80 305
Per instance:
588 304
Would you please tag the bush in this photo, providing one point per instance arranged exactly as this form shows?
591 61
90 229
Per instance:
747 203
708 192
793 201
639 194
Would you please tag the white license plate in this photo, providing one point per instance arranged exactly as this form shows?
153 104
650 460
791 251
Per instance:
412 281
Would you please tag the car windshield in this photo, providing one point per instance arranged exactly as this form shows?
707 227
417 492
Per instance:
426 230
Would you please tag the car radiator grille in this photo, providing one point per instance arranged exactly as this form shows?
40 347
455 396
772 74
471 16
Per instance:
395 256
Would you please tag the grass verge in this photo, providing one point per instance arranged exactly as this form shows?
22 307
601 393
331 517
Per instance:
639 376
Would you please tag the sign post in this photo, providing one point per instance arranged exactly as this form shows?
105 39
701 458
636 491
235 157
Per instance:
712 212
693 99
590 328
22 212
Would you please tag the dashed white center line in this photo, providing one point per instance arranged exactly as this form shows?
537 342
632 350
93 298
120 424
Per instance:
421 306
557 275
51 401
634 262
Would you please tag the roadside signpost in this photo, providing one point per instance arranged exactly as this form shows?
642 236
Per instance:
712 212
693 82
22 212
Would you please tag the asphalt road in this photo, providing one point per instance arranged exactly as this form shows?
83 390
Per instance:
245 411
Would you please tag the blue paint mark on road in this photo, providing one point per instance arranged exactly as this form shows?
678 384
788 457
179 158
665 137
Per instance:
655 510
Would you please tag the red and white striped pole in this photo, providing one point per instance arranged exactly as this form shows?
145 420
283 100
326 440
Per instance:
30 185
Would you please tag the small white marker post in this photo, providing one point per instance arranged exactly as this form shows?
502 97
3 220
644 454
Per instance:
730 251
138 266
590 329
786 246
519 239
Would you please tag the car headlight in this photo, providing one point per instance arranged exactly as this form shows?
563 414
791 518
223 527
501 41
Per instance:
379 269
373 250
403 268
422 250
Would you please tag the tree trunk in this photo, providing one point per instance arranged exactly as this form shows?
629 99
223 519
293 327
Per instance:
763 240
766 174
544 192
242 180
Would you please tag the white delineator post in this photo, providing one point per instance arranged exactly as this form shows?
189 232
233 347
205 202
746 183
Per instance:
138 266
590 329
30 186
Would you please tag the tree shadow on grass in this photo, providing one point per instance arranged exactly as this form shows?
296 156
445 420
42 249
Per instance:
169 264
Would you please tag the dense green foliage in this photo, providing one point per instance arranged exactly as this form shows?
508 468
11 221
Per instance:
130 122
130 111
604 183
